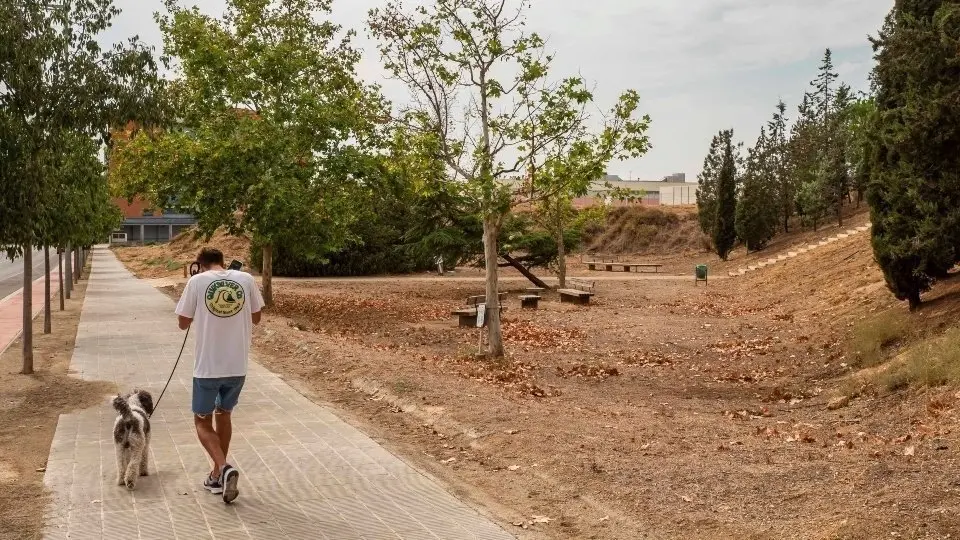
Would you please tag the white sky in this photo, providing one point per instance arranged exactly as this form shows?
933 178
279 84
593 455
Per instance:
700 65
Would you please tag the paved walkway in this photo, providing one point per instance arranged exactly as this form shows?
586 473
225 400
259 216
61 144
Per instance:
304 472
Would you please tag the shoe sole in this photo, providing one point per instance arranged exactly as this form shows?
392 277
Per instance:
215 491
230 491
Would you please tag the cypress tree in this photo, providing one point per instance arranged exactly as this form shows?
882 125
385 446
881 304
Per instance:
707 191
724 231
913 161
757 209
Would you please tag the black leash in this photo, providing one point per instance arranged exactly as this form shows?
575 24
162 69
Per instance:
174 370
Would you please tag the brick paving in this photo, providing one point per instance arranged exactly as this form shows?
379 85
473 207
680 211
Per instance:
304 472
11 309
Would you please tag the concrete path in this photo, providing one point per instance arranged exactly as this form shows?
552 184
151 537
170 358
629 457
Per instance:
304 472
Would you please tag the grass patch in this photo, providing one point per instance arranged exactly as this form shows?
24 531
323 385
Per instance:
165 262
403 387
874 337
934 362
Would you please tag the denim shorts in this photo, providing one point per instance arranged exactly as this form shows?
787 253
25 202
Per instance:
219 393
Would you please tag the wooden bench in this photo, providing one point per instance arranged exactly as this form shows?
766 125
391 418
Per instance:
642 267
467 317
579 291
531 300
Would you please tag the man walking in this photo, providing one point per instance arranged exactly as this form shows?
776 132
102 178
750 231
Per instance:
223 305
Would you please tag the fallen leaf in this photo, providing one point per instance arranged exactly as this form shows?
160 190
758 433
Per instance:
513 467
42 469
686 498
909 451
449 460
96 501
541 519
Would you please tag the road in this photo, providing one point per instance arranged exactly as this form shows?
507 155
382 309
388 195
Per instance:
11 272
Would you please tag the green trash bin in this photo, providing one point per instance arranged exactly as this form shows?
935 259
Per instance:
700 273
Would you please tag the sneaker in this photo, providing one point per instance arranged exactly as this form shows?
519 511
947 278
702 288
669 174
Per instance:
229 477
213 485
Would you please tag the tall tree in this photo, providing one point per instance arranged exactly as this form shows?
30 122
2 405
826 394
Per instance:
757 209
55 80
483 91
778 166
725 231
273 131
913 162
824 90
707 189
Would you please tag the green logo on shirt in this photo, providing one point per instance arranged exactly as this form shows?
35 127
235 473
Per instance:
224 298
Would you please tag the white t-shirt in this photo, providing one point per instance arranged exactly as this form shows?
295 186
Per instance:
221 302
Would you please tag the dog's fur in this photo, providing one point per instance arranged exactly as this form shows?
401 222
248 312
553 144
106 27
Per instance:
131 436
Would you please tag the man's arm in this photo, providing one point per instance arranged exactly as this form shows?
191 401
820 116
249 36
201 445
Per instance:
184 322
256 302
187 306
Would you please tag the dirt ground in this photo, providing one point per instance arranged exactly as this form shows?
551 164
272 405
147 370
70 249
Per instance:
29 408
662 410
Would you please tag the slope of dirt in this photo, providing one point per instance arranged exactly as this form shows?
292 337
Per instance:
29 408
168 260
645 230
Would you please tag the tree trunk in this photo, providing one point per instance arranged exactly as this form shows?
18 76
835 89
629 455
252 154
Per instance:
840 211
79 266
268 274
47 324
27 337
523 270
60 267
490 255
68 282
561 258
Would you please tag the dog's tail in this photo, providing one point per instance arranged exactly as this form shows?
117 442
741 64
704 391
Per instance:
122 406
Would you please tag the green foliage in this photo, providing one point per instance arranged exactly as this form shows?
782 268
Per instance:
778 166
724 231
486 100
912 160
757 212
708 183
274 127
58 87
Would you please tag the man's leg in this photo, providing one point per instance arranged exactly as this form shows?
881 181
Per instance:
210 441
224 427
228 397
204 402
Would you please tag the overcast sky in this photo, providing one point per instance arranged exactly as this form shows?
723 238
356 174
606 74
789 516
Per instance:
699 65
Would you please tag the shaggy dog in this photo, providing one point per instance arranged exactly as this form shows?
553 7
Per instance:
131 436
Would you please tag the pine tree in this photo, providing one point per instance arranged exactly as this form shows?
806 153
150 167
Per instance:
707 190
913 160
757 209
837 179
725 232
822 97
778 161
